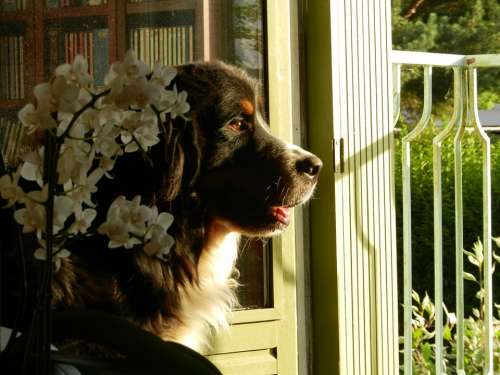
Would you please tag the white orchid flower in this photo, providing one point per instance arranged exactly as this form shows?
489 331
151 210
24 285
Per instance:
63 208
133 68
159 242
84 187
32 217
163 75
83 220
63 96
105 140
104 131
175 102
32 168
142 128
145 137
57 254
122 74
36 118
137 216
140 93
74 161
76 73
10 189
115 227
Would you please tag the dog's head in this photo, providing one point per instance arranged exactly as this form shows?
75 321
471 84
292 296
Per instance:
244 176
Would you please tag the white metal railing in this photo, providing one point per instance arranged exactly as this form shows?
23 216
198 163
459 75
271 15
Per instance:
464 116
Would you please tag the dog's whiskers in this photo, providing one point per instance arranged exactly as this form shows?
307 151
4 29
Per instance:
245 245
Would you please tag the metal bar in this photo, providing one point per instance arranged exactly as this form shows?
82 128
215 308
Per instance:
459 229
406 176
483 61
396 92
427 58
438 217
465 90
487 239
441 59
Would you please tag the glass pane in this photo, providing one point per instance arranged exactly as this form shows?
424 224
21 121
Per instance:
37 36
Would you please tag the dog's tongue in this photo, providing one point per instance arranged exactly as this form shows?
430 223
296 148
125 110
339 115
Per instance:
281 214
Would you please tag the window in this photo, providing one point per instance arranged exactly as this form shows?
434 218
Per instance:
37 36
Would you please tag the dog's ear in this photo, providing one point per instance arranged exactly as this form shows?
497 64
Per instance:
198 80
181 157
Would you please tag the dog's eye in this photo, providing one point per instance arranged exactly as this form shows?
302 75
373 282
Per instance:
238 125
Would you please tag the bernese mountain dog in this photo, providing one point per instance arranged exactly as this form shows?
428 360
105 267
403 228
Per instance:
222 175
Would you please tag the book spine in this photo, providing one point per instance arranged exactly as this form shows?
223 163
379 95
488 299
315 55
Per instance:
67 46
10 141
142 44
53 50
3 68
147 47
74 49
191 44
9 5
170 46
184 44
161 46
15 68
134 41
6 135
179 45
90 53
21 66
11 81
100 55
52 3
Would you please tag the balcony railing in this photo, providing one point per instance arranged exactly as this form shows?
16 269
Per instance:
464 117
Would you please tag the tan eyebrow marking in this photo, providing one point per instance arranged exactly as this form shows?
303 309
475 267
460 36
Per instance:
247 106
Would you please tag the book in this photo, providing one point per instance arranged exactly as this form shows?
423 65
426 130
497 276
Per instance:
52 3
11 67
9 5
11 134
100 55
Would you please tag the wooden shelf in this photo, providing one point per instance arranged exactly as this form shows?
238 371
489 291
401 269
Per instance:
12 103
77 12
161 6
16 16
42 51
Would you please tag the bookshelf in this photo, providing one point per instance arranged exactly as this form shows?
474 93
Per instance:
38 35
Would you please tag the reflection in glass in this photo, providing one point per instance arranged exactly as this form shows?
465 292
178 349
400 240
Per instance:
37 36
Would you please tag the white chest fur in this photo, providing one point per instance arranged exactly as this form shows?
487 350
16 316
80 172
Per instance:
205 307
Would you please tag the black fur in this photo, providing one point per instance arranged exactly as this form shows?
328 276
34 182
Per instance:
223 165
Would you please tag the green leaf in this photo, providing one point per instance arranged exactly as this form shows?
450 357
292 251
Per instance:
468 253
427 352
447 333
480 294
479 251
497 241
415 296
474 261
469 276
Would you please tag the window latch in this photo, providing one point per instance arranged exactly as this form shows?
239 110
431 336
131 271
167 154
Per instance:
338 155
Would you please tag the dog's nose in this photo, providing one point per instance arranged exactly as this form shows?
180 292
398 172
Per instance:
310 165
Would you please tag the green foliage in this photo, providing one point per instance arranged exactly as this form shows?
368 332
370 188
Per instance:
457 26
423 327
422 190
